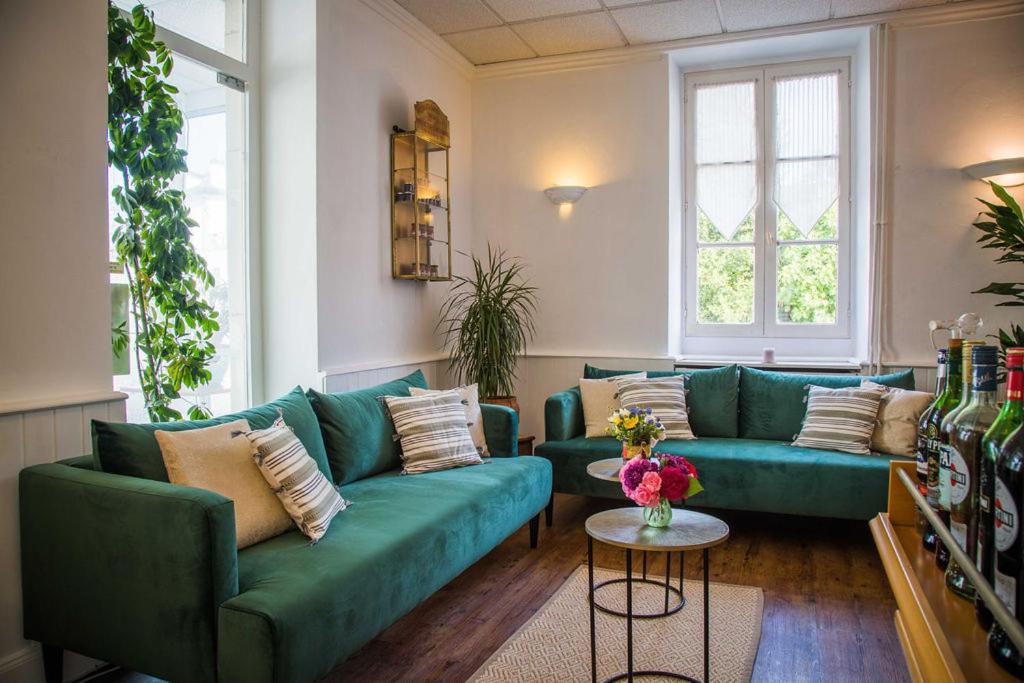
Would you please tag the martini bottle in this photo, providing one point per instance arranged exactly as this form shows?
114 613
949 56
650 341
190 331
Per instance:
927 532
968 429
1010 417
943 404
945 450
1006 537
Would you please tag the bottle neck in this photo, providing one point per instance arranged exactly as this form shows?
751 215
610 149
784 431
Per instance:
940 378
983 385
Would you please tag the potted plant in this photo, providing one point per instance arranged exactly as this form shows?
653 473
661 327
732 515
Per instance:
639 430
486 324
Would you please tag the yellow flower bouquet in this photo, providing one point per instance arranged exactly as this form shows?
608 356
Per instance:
639 429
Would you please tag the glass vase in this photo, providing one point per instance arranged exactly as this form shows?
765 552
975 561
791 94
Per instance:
659 516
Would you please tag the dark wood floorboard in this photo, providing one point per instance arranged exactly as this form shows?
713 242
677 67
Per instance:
828 611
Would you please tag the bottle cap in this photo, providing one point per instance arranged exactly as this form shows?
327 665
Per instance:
942 353
955 343
1015 357
984 355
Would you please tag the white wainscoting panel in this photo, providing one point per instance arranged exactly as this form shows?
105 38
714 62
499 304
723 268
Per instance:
32 438
435 371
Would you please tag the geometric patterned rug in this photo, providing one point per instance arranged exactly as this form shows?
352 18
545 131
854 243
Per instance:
554 645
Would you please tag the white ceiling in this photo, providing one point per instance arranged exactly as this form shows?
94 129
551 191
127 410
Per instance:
487 31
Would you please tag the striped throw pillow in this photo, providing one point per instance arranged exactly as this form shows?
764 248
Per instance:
840 419
665 396
310 500
433 432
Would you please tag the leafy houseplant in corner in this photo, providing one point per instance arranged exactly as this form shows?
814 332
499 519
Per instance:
656 481
486 323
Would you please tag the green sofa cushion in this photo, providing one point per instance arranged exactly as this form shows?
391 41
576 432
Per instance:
772 404
132 450
744 474
357 429
302 609
711 397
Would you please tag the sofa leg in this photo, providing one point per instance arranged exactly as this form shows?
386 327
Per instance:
53 663
549 511
534 530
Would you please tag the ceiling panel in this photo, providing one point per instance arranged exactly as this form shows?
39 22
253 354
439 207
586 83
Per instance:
668 21
445 16
853 8
518 10
746 15
577 33
488 45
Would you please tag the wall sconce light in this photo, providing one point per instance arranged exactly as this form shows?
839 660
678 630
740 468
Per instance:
1005 172
565 194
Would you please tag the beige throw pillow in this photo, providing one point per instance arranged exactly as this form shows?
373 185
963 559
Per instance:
599 400
470 396
898 415
210 458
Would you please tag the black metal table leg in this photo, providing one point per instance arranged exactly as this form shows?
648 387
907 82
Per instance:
629 615
593 631
706 624
668 577
645 564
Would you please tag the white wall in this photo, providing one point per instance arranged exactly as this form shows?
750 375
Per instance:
54 292
957 99
288 241
374 63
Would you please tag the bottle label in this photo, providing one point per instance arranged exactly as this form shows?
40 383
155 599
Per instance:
959 478
922 456
1014 384
945 453
984 378
1006 590
959 531
1005 517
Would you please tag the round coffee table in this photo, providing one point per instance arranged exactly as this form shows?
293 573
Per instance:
607 469
625 528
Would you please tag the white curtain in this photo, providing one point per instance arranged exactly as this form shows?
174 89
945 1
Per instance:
806 147
726 153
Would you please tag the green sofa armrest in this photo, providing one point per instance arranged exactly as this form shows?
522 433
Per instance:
563 415
501 429
128 570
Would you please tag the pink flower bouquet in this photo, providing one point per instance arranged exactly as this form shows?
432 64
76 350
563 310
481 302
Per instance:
653 482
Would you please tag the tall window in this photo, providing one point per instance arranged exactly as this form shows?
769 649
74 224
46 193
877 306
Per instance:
214 74
767 209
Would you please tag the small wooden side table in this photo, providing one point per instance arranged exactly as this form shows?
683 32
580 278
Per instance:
526 445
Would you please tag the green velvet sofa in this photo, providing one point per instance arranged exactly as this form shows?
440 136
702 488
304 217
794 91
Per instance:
146 574
745 420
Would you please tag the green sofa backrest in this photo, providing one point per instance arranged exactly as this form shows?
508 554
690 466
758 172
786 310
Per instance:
711 396
132 449
773 404
357 429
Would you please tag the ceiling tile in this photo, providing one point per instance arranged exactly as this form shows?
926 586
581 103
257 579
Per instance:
445 16
853 8
668 21
746 15
490 45
577 33
518 10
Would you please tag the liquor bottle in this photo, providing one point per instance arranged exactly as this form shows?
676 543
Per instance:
945 452
1010 417
969 428
1007 580
944 403
927 532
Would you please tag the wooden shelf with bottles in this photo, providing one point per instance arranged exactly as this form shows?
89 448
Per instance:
421 202
938 631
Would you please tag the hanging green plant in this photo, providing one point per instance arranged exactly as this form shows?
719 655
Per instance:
167 278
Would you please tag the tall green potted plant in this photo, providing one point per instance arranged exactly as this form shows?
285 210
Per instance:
172 319
486 323
1002 227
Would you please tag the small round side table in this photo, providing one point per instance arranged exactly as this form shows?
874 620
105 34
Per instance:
625 528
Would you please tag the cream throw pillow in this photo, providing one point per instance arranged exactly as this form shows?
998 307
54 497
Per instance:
599 400
898 415
470 396
210 458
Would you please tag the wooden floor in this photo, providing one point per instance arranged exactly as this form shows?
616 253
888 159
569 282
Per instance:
827 615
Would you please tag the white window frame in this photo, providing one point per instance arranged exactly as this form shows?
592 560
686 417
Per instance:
765 241
246 72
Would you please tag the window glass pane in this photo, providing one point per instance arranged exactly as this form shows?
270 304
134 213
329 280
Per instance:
806 147
725 285
725 126
218 24
213 135
807 283
707 233
827 227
